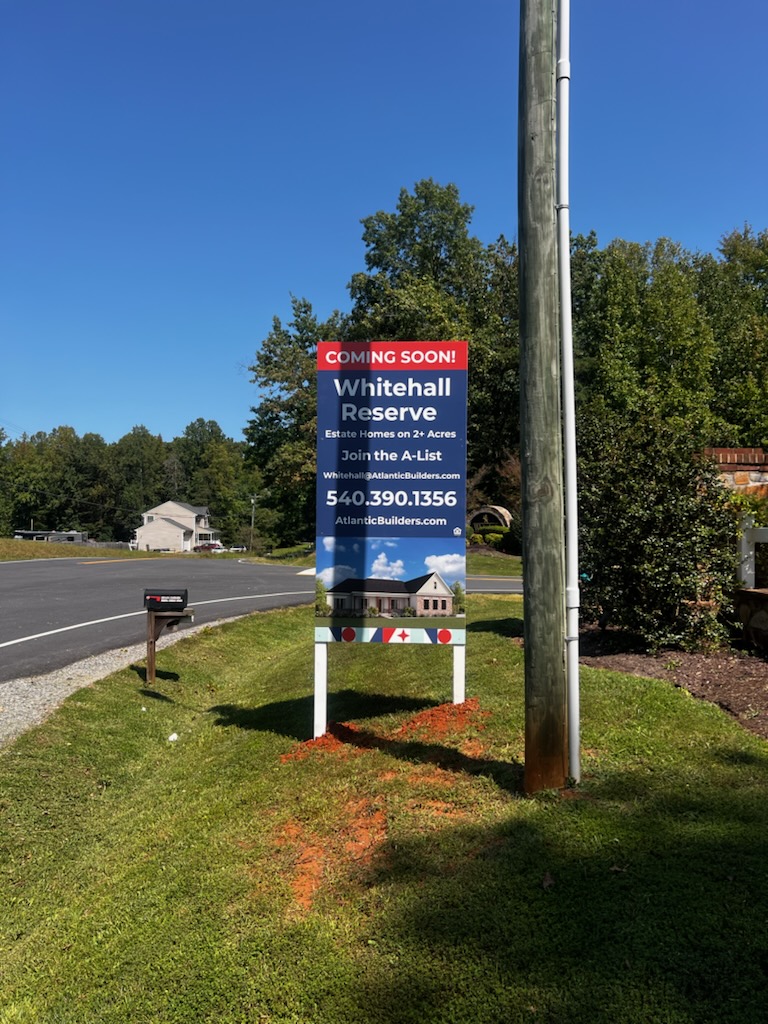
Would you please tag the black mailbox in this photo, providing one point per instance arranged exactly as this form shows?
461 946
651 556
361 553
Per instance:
165 600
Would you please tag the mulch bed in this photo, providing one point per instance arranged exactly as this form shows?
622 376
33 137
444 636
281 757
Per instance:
735 680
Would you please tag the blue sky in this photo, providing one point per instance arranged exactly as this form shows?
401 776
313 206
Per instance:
172 170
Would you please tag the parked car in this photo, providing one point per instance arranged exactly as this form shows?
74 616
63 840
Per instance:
213 546
240 548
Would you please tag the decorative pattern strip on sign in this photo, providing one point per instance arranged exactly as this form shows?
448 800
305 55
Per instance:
389 635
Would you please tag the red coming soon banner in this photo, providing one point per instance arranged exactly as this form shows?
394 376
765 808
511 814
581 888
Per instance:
384 355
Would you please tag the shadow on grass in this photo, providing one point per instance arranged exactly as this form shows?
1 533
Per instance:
501 627
141 672
508 775
671 897
155 695
747 757
293 718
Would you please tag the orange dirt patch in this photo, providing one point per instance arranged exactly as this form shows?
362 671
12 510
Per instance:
472 748
443 720
344 738
433 777
437 808
363 828
366 829
329 743
308 865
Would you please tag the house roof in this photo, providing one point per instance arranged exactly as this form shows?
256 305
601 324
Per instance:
374 586
168 522
199 510
180 526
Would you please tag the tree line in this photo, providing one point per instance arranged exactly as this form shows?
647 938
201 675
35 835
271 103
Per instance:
61 481
671 356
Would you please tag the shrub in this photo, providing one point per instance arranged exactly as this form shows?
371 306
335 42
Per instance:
484 531
322 607
658 530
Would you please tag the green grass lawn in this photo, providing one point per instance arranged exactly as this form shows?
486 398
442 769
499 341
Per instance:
24 550
391 873
487 564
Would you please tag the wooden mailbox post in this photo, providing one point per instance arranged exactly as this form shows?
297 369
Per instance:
165 610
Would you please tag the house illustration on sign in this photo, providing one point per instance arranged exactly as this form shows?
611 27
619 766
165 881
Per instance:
427 595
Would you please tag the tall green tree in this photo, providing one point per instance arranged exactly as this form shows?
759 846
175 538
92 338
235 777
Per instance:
6 493
493 421
29 489
733 293
641 331
428 277
282 432
138 466
95 486
190 449
426 238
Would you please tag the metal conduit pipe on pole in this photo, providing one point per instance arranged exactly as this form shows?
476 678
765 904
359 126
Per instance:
572 597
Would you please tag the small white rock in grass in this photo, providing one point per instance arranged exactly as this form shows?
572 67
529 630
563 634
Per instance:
173 737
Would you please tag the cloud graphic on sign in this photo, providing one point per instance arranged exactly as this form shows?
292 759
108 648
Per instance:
376 544
332 546
335 574
383 569
447 565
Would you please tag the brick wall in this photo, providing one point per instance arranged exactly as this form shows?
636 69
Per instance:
743 469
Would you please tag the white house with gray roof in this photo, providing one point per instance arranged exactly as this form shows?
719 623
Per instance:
427 595
175 526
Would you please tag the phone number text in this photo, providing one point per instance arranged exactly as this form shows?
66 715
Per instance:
400 499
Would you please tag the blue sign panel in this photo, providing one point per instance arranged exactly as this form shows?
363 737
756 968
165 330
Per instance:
391 489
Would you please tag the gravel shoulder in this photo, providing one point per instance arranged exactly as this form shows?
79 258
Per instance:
28 701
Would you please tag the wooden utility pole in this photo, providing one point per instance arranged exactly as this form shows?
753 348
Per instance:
546 740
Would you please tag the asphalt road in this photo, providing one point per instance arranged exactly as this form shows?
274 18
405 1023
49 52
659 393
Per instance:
58 611
494 585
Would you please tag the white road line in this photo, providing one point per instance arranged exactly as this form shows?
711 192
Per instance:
128 615
65 629
250 597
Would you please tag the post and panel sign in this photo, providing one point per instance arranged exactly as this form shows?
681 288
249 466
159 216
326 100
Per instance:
391 491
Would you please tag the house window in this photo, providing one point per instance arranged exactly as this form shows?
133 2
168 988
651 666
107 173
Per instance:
434 604
150 519
426 604
443 604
